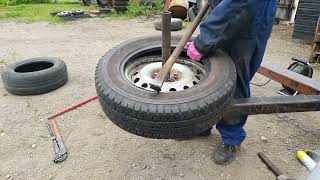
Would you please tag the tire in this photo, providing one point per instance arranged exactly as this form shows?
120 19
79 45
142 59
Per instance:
34 76
78 12
64 14
176 24
299 68
178 114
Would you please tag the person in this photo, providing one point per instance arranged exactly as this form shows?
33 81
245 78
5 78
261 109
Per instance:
242 29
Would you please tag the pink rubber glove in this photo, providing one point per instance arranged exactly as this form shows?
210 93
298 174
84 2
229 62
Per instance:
193 53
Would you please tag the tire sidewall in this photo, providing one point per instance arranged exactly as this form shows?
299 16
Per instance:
57 65
36 82
164 115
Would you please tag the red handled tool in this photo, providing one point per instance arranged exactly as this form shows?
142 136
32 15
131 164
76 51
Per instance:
60 152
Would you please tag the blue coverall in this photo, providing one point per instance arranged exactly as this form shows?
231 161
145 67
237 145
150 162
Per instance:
242 28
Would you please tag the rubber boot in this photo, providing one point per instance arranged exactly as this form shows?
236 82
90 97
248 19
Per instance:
225 154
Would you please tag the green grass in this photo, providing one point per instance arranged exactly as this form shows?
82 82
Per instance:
38 12
137 9
17 2
41 12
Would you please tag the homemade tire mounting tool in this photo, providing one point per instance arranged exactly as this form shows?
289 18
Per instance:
194 96
168 63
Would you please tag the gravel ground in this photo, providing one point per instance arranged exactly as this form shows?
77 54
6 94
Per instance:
100 150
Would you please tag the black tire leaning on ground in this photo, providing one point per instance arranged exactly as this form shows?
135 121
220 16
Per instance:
78 12
166 115
34 76
176 24
64 14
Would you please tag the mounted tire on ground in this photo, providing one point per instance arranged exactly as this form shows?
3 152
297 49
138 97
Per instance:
176 24
195 101
34 76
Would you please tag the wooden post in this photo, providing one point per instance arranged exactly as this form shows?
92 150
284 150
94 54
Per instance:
315 52
166 5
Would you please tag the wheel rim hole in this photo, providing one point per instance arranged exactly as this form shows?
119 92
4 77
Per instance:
135 73
185 87
194 83
172 89
197 77
144 85
136 80
33 67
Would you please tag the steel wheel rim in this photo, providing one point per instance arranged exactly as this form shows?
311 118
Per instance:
184 74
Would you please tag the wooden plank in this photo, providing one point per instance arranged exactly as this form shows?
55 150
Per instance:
317 38
315 48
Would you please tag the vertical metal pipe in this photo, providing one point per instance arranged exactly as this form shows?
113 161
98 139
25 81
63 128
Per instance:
166 36
162 74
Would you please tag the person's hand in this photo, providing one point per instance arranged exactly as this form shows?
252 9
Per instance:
192 52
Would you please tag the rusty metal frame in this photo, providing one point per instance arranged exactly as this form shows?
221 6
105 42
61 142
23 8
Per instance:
309 101
277 104
305 85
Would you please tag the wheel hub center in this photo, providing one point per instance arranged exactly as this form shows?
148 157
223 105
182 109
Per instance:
182 76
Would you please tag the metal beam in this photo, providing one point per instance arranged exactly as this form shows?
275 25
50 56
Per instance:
291 79
166 37
269 105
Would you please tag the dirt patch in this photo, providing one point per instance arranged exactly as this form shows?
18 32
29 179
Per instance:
100 150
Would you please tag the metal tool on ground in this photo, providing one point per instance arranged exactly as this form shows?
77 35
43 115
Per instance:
60 152
273 168
73 107
162 74
270 165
